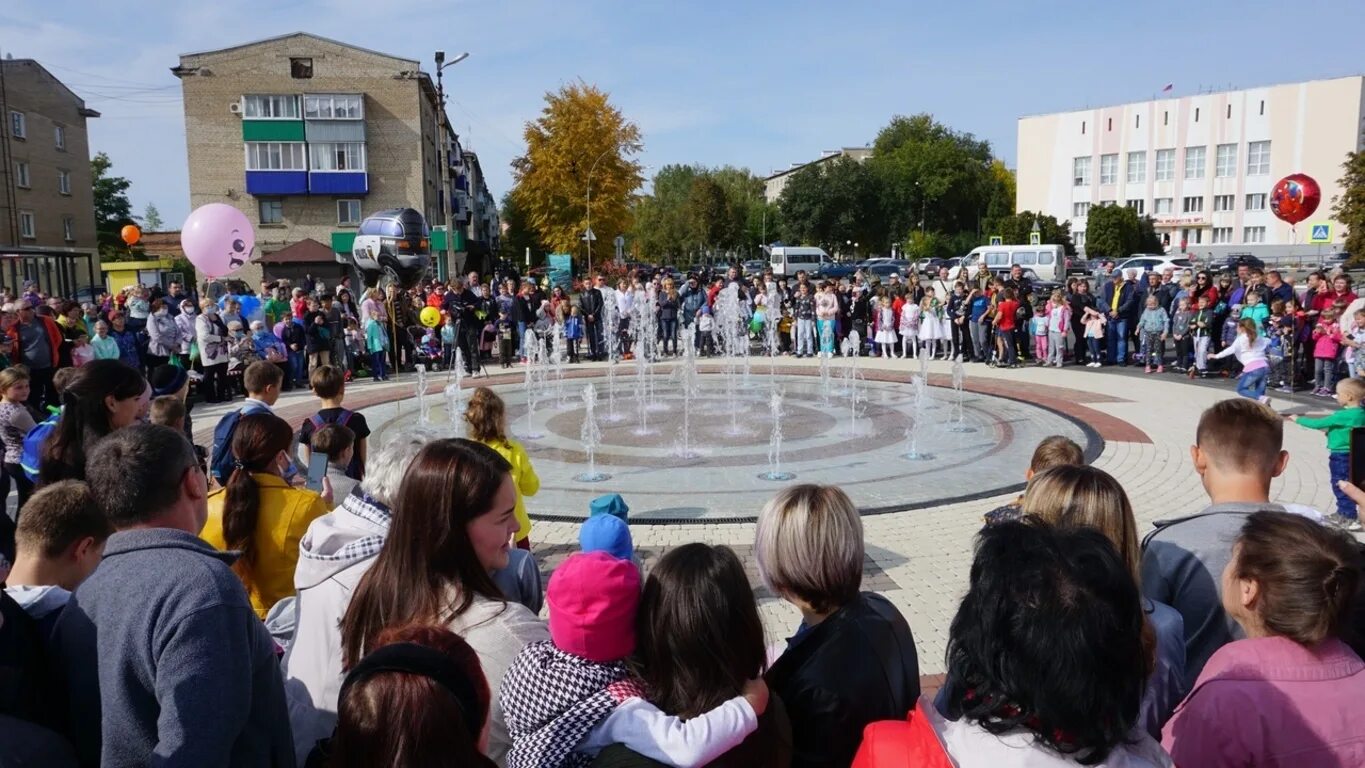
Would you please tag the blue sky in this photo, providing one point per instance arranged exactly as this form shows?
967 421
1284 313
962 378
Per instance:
758 84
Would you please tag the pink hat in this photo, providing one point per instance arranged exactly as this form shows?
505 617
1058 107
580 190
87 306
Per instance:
592 599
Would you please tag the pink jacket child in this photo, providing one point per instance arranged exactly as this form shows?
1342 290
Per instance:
1326 340
1270 701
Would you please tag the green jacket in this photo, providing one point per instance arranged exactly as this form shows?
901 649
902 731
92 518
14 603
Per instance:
1338 427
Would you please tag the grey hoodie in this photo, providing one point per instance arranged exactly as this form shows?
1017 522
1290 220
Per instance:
166 663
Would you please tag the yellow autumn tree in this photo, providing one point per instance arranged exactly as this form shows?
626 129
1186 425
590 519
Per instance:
579 139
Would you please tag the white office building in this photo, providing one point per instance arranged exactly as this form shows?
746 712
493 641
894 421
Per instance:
1201 166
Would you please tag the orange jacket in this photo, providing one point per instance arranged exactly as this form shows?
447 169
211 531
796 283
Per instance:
54 339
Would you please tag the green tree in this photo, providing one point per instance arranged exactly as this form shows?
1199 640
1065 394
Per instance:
1111 232
1148 239
1014 229
112 209
707 212
934 178
662 226
832 204
1349 207
151 219
519 235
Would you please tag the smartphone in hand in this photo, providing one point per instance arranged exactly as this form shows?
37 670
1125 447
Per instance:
317 469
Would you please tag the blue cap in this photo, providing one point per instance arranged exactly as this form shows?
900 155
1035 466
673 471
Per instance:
606 533
610 504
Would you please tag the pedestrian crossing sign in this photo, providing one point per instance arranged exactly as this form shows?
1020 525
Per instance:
1320 233
997 240
1035 238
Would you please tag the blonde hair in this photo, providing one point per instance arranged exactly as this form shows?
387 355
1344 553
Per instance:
1079 495
1055 451
809 546
1350 388
11 376
487 416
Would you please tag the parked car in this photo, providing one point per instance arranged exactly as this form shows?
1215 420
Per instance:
1040 286
393 246
834 270
929 267
884 270
753 267
1153 263
1235 260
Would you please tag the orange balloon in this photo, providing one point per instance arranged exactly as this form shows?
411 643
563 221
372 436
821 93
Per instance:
130 234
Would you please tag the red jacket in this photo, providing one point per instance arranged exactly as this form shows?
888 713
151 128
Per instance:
54 339
908 743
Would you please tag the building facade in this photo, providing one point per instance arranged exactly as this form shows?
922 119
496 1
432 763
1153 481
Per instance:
1201 166
774 183
308 136
47 197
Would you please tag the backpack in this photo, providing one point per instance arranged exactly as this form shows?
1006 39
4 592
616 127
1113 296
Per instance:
343 418
31 455
223 461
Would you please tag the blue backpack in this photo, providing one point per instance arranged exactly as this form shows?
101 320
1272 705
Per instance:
32 454
221 469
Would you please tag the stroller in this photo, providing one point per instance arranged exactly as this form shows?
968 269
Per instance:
426 345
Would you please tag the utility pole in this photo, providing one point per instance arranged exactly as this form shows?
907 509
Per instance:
443 155
587 236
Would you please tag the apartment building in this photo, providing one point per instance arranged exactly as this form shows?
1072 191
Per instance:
774 183
1201 166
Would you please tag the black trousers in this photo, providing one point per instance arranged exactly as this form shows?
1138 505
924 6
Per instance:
594 334
214 384
469 347
41 393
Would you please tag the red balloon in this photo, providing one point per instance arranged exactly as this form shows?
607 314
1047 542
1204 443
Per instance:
1295 197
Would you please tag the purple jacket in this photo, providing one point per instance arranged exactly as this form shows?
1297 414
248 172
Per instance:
1271 701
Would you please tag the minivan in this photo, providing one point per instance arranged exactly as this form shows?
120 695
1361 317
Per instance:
393 244
787 260
1048 261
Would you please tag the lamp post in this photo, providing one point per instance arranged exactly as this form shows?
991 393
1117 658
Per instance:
587 236
442 153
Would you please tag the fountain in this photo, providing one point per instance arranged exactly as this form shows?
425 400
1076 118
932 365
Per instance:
919 420
611 324
773 314
591 435
731 334
959 381
775 472
454 395
641 388
558 352
535 352
423 408
826 335
690 387
851 348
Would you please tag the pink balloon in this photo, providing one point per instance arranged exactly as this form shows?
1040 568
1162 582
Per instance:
218 239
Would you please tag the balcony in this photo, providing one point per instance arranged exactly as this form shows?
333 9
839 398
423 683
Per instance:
277 182
338 183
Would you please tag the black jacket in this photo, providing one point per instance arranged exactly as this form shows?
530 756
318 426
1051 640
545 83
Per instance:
855 667
590 303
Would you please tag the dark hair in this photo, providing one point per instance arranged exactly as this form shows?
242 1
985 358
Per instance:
327 381
261 375
698 636
400 719
58 516
256 442
1049 639
1306 574
85 417
428 552
333 440
134 473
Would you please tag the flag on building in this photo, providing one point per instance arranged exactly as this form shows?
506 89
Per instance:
1167 87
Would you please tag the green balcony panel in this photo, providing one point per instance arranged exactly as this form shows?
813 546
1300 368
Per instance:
342 242
272 130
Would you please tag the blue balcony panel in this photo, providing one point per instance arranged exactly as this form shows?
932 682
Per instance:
338 183
277 182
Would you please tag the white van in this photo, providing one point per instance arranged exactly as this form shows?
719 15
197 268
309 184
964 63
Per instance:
787 260
1049 262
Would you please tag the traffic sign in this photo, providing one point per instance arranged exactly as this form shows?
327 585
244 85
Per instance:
1035 238
1320 233
997 240
589 235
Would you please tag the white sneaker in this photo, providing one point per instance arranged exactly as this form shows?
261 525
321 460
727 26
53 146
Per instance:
1264 399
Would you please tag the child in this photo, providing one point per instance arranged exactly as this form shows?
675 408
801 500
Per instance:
106 346
1291 319
1058 323
1094 322
1249 347
1152 328
329 385
487 417
431 345
1038 329
377 344
338 443
573 331
929 323
909 328
507 342
82 352
298 305
448 342
60 541
885 327
1338 427
1326 346
15 422
566 699
1200 329
168 411
706 324
1181 320
1354 341
1255 309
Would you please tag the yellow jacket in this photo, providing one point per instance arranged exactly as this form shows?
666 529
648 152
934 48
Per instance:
523 476
285 514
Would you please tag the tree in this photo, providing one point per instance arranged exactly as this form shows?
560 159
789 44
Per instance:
1111 231
1349 207
112 209
707 214
151 219
832 204
1148 240
929 172
663 228
578 138
519 235
1015 229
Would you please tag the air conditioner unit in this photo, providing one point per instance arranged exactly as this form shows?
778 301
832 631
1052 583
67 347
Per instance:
235 107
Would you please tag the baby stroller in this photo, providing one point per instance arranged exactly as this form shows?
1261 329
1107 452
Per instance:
425 353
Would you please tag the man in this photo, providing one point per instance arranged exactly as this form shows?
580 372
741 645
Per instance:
332 314
165 661
175 296
472 285
402 318
1237 452
1239 286
1103 277
943 287
1278 289
731 275
36 341
472 309
590 306
1022 286
1119 301
691 297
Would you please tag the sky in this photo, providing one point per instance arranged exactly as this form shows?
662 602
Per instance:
752 83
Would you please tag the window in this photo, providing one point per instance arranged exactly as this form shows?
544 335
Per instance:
1137 121
1078 238
1137 205
1263 106
1079 210
1256 202
1137 167
1082 127
1109 124
26 226
59 136
1107 203
1193 204
64 182
1222 235
1163 205
265 107
1192 236
1223 202
1165 164
272 211
300 69
1195 158
1165 118
1109 169
68 228
1253 234
275 156
337 156
1225 164
348 212
1258 158
1196 114
22 177
1081 172
18 125
334 107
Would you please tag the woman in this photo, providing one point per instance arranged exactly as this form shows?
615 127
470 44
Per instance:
104 396
163 336
698 639
852 660
1203 286
559 305
211 334
188 343
260 514
376 333
346 305
668 318
271 349
486 415
1289 693
1080 299
420 699
914 291
372 306
1084 495
127 340
452 526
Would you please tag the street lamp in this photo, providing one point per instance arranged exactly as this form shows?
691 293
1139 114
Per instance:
587 236
442 152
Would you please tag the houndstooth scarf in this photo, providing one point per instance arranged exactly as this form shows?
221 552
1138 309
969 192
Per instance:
551 700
